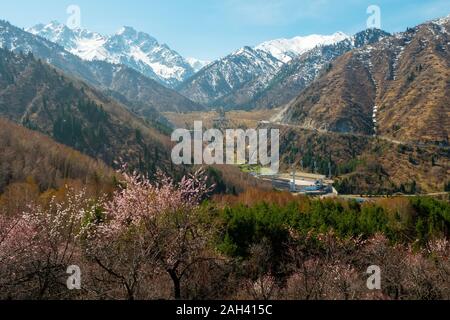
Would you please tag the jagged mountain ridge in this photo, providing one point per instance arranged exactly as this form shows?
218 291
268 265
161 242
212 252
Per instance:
197 64
132 87
229 74
300 72
397 88
278 83
129 47
287 49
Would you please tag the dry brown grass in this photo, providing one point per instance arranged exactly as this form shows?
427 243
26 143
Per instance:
411 90
237 119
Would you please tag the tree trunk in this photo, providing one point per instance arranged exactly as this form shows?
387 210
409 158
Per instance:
176 284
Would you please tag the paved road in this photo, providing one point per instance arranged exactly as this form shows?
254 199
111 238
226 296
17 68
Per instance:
354 196
384 138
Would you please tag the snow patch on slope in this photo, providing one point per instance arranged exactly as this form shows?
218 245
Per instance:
197 64
135 49
287 49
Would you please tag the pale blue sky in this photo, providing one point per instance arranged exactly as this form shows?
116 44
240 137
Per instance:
208 29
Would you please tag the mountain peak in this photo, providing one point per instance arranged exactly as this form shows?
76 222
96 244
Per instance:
128 46
127 31
55 23
197 64
369 36
245 49
287 49
58 26
53 26
442 21
340 35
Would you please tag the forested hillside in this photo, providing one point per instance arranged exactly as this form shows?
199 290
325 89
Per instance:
41 98
27 154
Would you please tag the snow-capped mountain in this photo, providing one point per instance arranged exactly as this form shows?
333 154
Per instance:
137 50
287 49
197 64
225 76
270 74
300 72
83 43
139 93
396 87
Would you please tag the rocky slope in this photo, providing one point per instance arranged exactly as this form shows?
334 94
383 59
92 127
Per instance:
134 88
300 72
287 49
129 47
225 76
397 88
300 61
